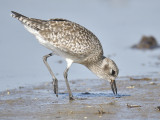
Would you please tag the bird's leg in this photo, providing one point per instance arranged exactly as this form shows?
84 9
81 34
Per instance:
55 81
69 63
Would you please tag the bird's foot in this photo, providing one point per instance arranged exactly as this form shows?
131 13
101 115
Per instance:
55 87
71 97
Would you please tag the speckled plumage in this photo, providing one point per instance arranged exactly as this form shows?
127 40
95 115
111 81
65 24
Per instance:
74 43
65 38
79 43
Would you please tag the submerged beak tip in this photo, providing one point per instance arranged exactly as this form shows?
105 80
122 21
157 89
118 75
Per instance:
113 87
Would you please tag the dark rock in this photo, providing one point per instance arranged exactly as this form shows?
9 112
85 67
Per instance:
147 42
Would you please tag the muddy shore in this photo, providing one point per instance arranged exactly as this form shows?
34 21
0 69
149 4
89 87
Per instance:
137 98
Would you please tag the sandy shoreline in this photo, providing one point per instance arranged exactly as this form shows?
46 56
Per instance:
93 101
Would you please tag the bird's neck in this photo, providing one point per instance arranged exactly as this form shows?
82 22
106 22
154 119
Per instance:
96 67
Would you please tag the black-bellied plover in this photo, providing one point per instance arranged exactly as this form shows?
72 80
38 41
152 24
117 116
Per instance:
75 44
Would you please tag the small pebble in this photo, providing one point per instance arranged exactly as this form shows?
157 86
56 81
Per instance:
158 108
130 87
89 106
152 83
8 93
132 106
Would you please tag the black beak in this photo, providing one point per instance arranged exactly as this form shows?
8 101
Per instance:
113 86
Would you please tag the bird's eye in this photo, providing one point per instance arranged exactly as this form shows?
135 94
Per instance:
112 72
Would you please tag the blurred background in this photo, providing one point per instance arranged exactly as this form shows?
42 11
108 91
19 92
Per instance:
119 24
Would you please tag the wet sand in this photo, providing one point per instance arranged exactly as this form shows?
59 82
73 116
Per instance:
137 98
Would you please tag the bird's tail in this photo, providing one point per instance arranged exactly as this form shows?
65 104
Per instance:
35 24
18 16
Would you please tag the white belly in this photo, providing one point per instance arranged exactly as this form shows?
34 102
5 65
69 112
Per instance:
58 51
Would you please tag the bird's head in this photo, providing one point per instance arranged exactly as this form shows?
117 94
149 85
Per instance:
107 70
110 72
